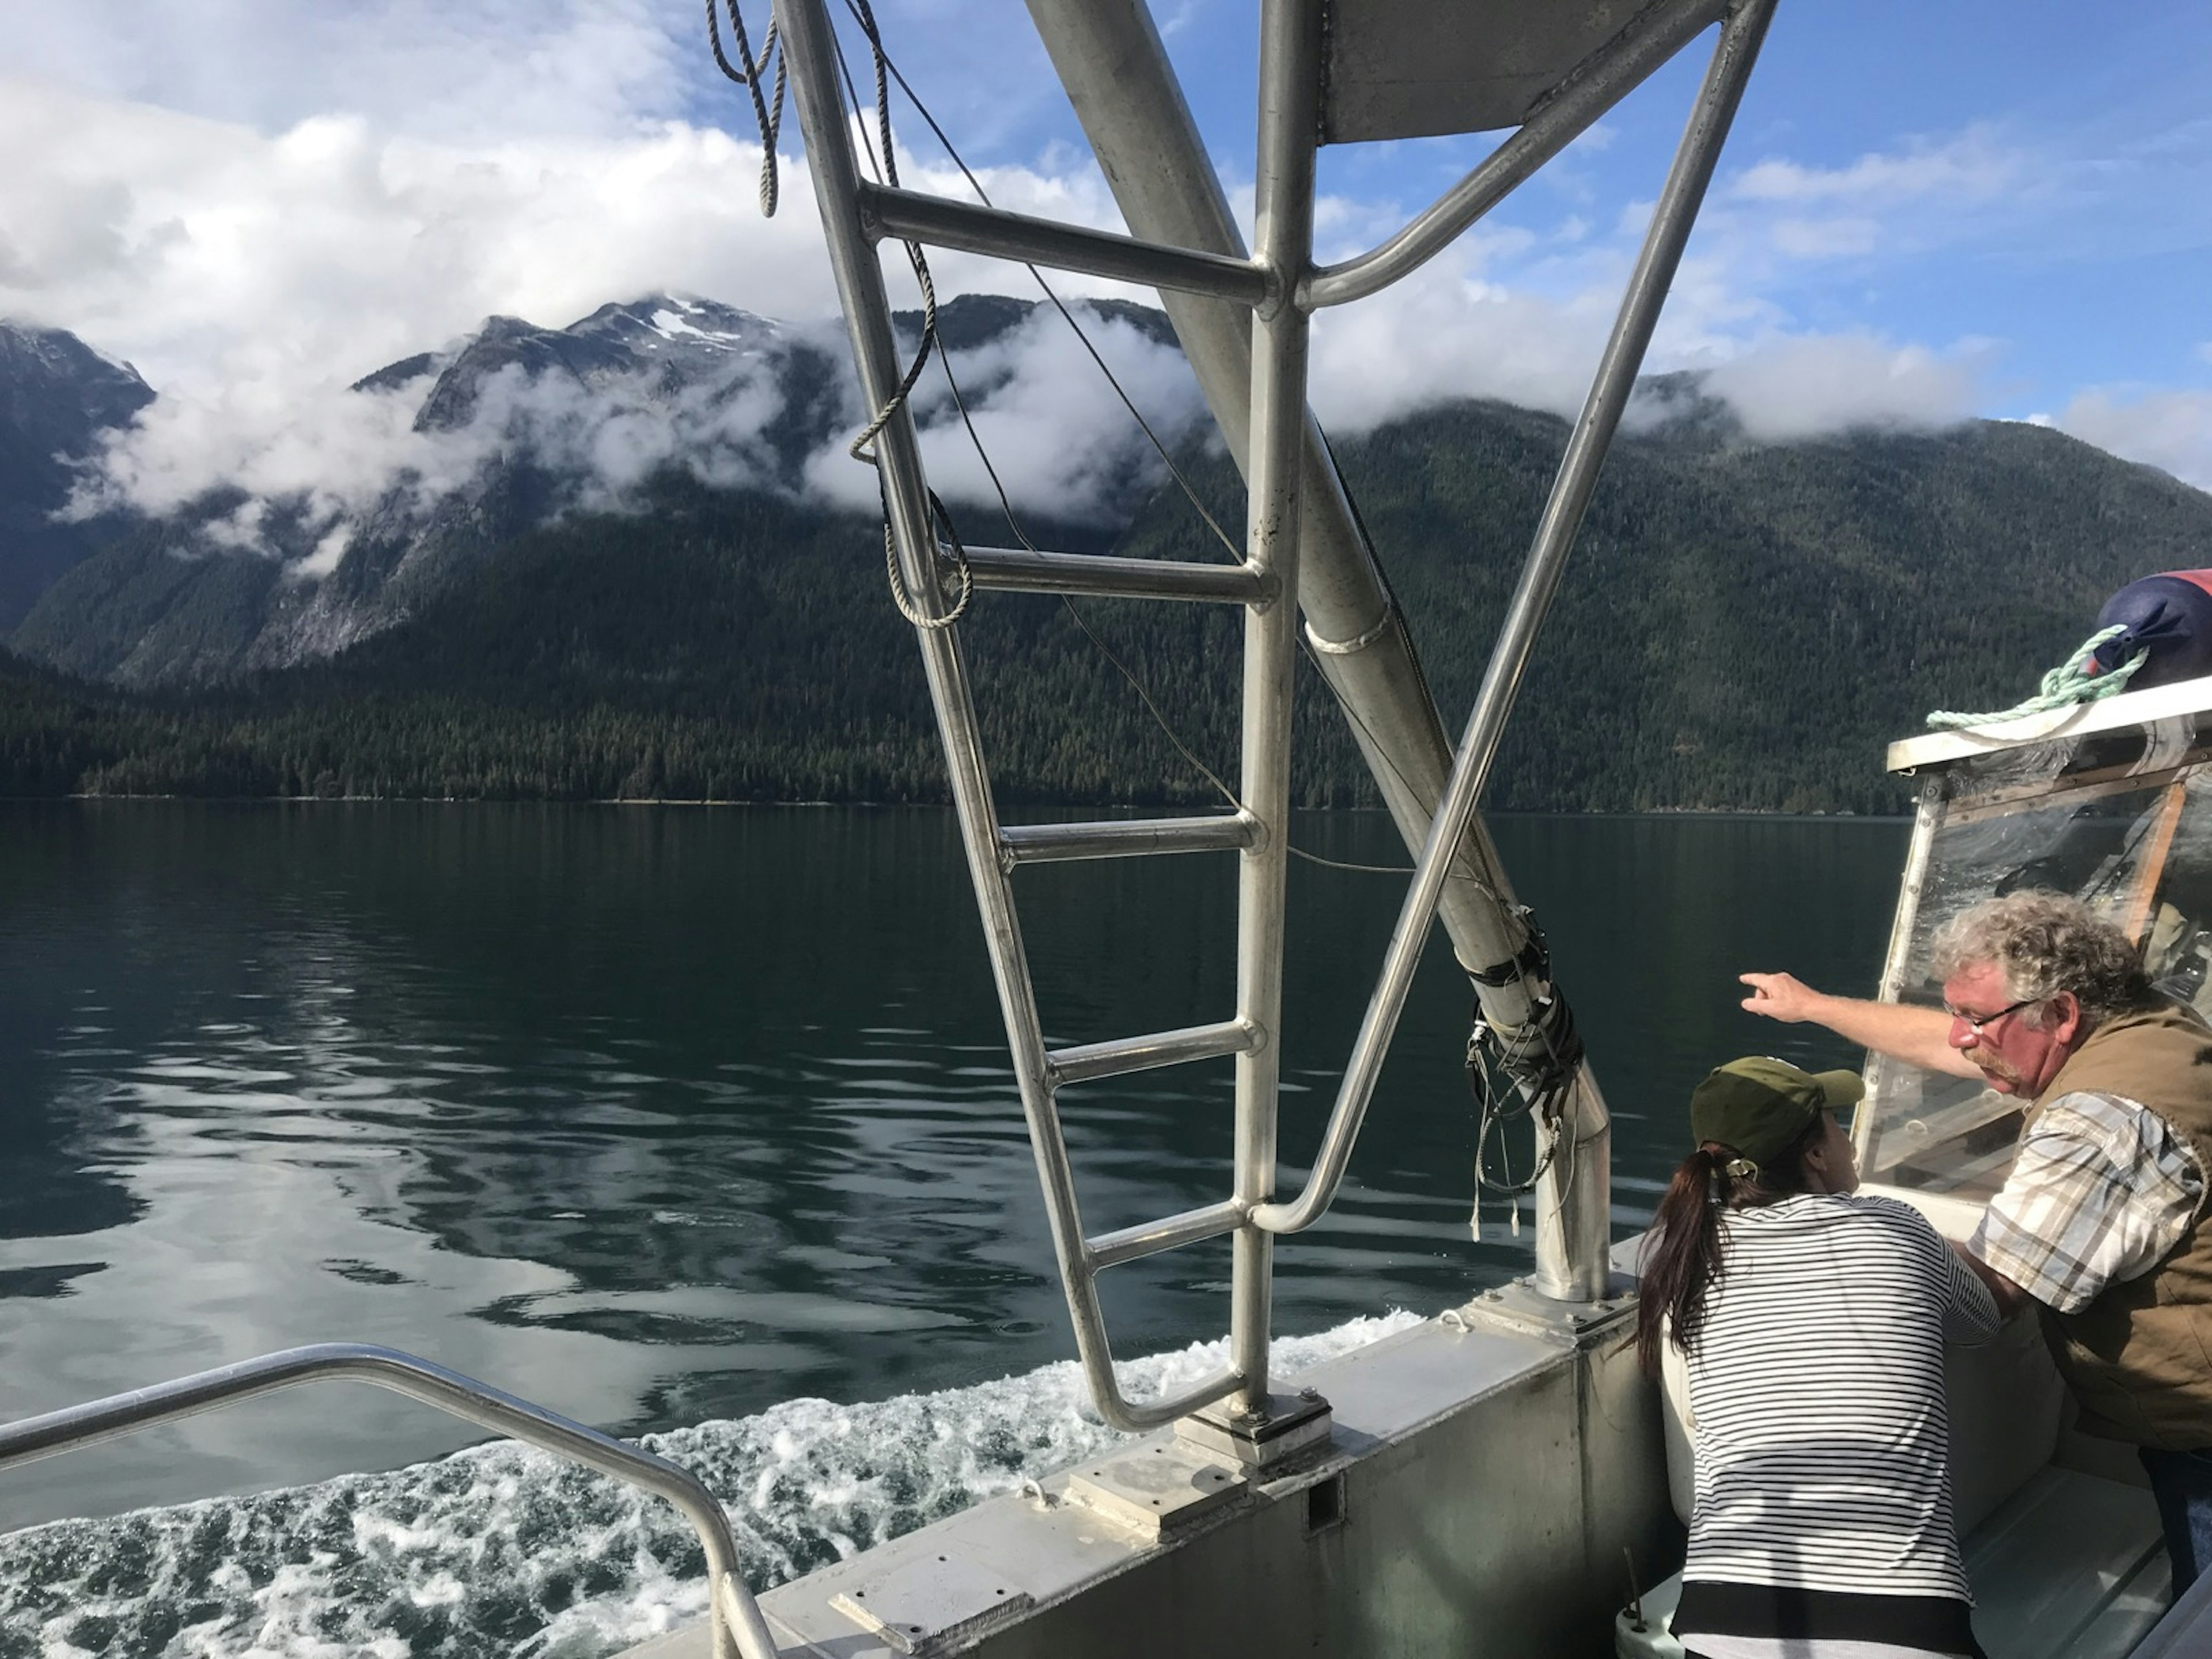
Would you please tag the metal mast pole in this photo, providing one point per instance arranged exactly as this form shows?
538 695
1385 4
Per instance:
1289 54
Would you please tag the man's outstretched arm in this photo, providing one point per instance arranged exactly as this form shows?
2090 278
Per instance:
2006 1293
1918 1036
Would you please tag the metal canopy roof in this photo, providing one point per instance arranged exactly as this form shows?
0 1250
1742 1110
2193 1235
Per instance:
1414 69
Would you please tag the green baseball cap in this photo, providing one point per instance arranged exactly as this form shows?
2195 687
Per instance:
1759 1105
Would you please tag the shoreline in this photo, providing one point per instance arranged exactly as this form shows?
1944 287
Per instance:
920 806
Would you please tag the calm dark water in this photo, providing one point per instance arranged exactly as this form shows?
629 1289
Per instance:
660 1116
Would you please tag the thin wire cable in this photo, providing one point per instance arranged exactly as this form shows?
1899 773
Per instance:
886 167
1159 718
864 17
1182 483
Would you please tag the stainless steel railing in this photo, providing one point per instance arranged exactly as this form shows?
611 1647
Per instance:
740 1631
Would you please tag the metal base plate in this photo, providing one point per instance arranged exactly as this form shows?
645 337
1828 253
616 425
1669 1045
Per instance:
926 1605
1518 1310
1293 1424
1156 1491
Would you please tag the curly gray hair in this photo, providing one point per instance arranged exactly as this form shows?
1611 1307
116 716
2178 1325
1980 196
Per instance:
2046 942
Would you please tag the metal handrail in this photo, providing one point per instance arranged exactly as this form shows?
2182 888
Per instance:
1650 41
740 1631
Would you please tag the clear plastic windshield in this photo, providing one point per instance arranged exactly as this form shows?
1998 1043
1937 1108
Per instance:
2123 822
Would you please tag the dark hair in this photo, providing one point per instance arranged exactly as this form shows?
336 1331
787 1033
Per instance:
1681 1255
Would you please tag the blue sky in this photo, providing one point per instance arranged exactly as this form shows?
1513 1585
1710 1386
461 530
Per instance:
1927 211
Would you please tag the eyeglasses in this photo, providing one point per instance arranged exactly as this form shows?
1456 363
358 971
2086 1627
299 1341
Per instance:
1975 1022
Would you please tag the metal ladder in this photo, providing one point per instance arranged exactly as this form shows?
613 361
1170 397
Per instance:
1279 286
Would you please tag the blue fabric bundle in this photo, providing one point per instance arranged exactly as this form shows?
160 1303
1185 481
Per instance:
2170 615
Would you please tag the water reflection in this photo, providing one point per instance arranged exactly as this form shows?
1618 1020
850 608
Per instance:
664 1115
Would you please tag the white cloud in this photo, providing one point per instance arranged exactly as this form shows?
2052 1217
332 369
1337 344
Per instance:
253 252
1444 334
461 70
214 258
325 559
1060 440
252 277
1973 166
1797 387
2167 430
338 450
1826 239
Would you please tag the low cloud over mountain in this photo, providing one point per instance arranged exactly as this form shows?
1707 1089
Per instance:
326 517
597 407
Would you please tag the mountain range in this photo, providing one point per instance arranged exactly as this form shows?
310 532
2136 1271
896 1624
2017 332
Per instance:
601 562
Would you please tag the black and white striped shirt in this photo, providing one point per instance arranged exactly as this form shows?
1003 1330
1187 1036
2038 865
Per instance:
1816 1387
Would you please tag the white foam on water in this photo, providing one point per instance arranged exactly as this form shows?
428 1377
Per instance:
503 1551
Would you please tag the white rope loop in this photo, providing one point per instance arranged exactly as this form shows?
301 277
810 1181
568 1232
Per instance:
747 72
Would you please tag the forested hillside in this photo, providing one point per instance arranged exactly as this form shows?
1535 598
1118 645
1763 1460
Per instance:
1741 627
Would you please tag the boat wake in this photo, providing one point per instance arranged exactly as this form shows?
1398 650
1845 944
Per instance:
502 1551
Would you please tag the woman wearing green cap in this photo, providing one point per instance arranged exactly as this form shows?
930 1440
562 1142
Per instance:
1812 1322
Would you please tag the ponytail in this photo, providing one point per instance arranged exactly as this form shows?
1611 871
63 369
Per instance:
1681 1255
1682 1252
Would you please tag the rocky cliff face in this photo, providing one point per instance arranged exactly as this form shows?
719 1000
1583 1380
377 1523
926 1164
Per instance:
58 397
517 426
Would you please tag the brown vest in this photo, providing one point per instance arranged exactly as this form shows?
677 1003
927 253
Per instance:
2139 1357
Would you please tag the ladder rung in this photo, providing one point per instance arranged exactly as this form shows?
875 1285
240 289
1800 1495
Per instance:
1016 569
998 234
1126 838
1151 1239
1143 1053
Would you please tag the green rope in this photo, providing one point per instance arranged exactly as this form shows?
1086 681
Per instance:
2069 684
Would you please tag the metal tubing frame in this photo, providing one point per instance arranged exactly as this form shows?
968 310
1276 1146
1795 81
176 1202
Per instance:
1671 221
1287 472
1188 1228
1122 1055
735 1616
809 46
1124 838
971 227
1283 192
1600 81
1019 570
1110 61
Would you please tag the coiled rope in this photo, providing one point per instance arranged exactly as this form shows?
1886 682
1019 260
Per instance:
2070 683
747 72
1527 1072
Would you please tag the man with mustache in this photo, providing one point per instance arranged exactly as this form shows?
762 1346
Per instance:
2099 1222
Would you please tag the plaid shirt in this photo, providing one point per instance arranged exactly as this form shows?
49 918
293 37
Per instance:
2101 1190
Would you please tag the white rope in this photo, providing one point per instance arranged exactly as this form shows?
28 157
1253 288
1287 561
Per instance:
2070 684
